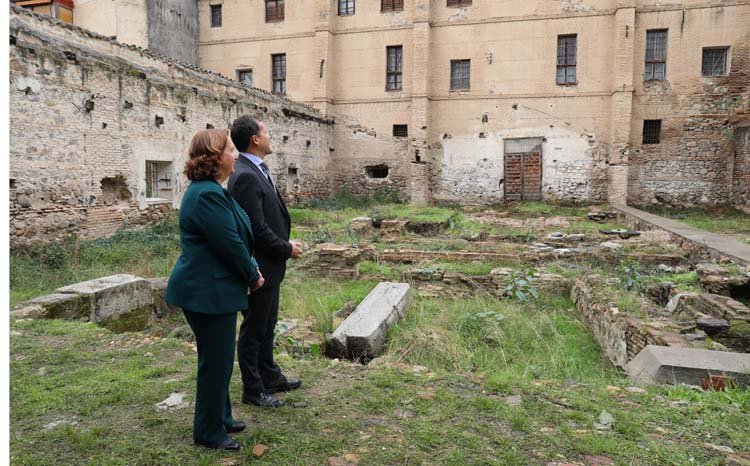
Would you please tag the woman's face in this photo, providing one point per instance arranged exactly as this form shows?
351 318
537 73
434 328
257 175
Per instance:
226 161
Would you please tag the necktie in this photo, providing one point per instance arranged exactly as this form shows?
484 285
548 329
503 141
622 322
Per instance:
267 173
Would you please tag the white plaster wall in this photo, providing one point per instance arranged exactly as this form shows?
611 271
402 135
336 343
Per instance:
473 167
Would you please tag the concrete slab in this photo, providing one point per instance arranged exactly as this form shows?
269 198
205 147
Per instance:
717 244
119 302
362 334
662 364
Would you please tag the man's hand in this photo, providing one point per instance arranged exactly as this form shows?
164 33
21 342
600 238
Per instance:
296 249
258 283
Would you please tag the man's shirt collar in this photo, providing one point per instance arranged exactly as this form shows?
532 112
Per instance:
253 158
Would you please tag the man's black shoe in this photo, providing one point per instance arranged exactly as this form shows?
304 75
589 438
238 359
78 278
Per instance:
288 384
238 426
264 400
229 445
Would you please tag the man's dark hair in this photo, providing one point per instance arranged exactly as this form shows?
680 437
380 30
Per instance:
243 129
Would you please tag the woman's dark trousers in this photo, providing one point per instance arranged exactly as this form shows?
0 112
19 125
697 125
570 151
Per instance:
215 336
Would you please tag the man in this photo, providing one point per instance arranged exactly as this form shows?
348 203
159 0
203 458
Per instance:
253 188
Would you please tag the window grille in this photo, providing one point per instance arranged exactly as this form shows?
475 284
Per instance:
651 131
460 75
394 66
566 59
656 55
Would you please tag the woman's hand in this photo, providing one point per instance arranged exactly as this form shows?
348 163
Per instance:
259 283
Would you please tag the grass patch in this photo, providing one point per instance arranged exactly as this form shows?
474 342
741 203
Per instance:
151 252
539 340
717 220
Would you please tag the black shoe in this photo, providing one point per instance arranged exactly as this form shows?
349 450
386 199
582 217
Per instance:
238 426
229 445
288 384
264 400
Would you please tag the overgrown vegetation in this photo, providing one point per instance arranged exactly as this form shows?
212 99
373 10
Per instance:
717 220
439 394
147 253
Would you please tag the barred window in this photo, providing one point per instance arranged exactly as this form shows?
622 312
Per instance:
651 131
656 55
460 75
346 7
459 3
391 5
274 10
278 75
400 131
566 59
715 61
215 16
245 77
393 71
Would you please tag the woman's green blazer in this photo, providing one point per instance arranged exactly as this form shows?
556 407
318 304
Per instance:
216 265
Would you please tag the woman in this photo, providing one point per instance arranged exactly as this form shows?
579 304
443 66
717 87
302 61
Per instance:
211 279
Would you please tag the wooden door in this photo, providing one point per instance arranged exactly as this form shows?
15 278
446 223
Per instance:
523 169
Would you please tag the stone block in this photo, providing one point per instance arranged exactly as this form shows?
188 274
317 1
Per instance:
362 334
64 306
118 302
661 364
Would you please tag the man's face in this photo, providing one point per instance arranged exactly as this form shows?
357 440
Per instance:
263 140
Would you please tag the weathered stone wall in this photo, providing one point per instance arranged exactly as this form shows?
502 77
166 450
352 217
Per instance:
693 162
173 29
741 176
363 154
89 114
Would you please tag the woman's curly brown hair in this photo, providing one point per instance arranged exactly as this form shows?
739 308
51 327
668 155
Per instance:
204 154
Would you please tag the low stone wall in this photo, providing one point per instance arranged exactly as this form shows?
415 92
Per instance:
620 335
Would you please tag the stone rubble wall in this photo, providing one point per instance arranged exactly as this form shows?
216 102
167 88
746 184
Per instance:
89 112
620 335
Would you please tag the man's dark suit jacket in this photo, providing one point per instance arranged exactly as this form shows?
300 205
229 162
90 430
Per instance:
268 216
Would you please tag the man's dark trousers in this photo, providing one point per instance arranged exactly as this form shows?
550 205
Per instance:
255 343
271 225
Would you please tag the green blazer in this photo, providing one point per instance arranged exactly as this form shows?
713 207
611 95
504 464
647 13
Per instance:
216 265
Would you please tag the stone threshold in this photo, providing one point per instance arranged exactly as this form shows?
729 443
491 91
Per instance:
715 244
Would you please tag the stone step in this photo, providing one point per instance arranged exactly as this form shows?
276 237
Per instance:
362 335
669 365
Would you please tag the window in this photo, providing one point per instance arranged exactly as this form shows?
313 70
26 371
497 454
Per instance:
346 7
400 131
460 75
656 55
393 78
278 75
245 77
158 180
715 61
651 131
566 59
215 16
274 10
391 5
459 2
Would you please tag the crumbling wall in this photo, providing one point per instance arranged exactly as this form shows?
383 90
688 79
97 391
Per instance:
370 160
741 175
693 161
91 118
